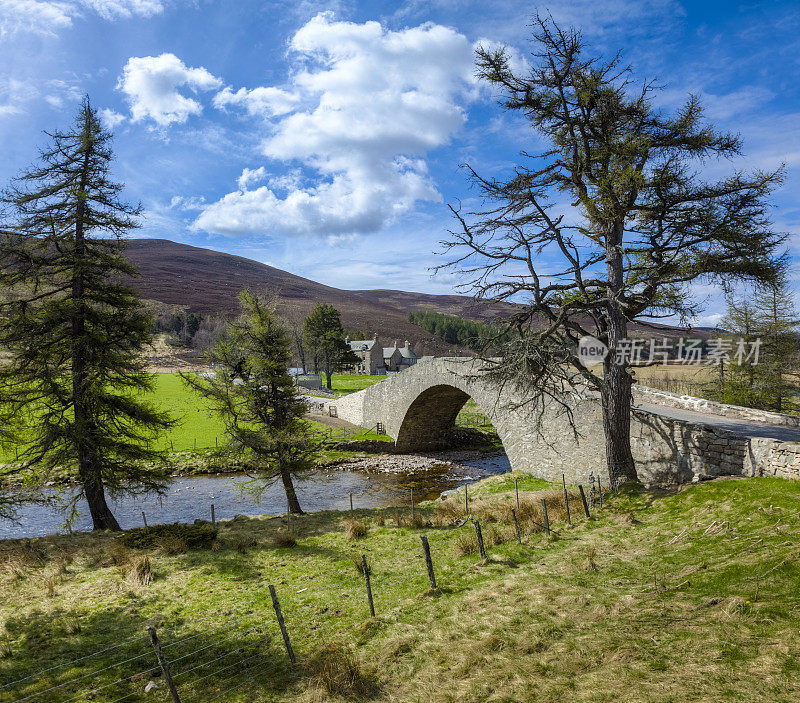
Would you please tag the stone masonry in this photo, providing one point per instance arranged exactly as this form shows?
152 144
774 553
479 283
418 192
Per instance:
419 406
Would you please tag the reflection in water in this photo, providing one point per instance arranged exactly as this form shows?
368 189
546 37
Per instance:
190 498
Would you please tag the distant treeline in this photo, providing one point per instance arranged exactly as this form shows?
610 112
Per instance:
192 330
456 330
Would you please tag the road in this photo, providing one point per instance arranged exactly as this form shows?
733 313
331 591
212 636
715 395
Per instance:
744 428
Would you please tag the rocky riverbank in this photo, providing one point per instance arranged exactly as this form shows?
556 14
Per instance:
454 460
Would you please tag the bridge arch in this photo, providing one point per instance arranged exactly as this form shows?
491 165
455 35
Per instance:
430 417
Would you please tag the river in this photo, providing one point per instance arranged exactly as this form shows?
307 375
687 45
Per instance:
190 498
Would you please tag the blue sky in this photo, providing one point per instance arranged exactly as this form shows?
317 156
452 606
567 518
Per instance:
325 138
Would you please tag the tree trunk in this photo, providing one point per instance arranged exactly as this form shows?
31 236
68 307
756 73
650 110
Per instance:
617 381
94 492
616 404
291 496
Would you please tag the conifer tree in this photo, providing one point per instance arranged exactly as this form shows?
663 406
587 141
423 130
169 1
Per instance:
256 397
779 328
75 331
326 337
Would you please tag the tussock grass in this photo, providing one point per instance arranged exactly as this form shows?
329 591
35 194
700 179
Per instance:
334 669
466 543
172 544
282 540
245 544
138 570
355 528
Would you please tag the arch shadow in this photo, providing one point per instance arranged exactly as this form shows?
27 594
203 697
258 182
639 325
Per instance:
430 418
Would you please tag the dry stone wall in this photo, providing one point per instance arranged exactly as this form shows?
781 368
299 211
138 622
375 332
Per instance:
419 405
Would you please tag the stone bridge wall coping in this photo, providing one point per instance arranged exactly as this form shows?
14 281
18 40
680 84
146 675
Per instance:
687 402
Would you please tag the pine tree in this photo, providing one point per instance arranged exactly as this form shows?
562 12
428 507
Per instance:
257 398
74 330
326 337
779 362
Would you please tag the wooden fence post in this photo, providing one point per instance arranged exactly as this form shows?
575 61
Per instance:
479 535
213 517
162 662
516 490
466 499
351 504
566 497
516 525
144 519
369 585
285 634
428 561
583 500
545 519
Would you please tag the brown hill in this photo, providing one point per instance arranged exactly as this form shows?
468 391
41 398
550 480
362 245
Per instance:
208 282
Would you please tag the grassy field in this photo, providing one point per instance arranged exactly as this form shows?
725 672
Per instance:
198 427
660 597
350 383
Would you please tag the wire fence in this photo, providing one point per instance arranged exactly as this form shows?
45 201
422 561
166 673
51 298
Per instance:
212 657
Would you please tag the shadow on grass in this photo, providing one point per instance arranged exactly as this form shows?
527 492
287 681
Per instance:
57 656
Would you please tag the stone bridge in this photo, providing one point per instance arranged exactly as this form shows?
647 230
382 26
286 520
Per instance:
674 438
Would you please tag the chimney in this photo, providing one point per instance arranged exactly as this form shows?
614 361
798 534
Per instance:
407 346
396 343
347 339
375 338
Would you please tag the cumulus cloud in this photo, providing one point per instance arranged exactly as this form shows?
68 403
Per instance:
48 16
110 118
151 85
265 101
370 104
250 176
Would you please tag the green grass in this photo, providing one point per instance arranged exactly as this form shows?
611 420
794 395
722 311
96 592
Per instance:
198 428
661 597
350 383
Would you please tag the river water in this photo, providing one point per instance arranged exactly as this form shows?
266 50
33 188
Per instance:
190 498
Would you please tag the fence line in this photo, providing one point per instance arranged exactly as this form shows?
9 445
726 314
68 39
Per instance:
352 585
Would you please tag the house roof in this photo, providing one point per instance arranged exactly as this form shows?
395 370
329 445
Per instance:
361 344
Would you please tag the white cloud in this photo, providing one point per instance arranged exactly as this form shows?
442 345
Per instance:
371 104
151 85
265 101
112 9
110 118
48 16
250 176
38 16
13 95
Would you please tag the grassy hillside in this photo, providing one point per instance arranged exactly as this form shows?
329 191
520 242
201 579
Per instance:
661 597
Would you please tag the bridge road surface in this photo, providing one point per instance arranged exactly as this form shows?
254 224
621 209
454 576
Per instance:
745 428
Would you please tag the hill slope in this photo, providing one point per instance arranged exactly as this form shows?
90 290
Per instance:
208 282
